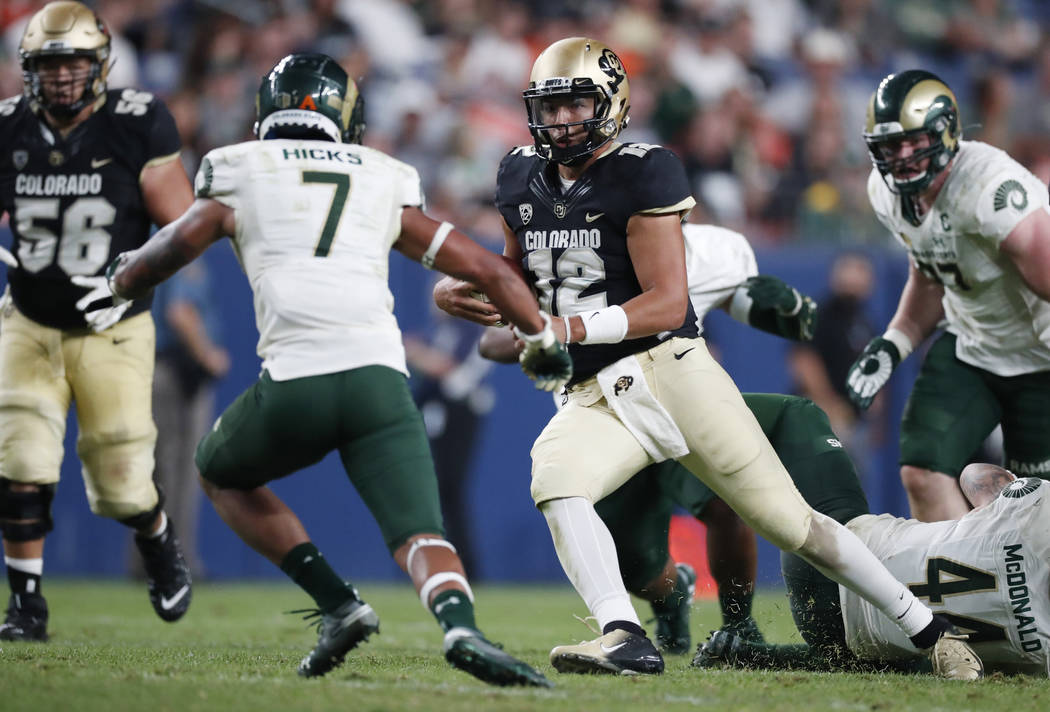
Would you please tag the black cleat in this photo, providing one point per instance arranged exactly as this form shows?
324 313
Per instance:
746 629
167 575
724 647
338 633
468 650
26 618
618 652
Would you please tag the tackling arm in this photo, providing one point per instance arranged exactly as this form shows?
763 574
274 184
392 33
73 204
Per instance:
772 305
174 246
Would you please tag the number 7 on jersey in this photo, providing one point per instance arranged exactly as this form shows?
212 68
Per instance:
341 181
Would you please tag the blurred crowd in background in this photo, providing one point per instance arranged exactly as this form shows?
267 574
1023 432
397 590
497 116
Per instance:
763 99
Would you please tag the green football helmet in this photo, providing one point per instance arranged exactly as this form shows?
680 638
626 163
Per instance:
906 105
309 95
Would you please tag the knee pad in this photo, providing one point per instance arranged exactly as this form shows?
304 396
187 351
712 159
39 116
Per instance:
142 520
25 515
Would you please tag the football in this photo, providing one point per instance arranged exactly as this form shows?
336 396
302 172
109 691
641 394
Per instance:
480 296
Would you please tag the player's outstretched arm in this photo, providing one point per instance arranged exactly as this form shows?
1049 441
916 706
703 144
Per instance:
438 245
918 312
174 246
1028 246
982 482
770 304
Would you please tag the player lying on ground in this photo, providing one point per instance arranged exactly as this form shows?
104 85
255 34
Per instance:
722 273
987 572
313 218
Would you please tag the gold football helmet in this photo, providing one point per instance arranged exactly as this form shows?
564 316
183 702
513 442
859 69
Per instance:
907 105
65 29
577 67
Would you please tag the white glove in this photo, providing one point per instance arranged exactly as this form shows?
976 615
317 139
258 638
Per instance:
112 306
7 258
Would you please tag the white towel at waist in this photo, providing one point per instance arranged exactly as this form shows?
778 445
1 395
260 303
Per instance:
627 393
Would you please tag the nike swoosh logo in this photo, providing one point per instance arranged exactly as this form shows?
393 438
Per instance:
118 342
591 218
611 649
678 357
441 606
99 162
169 603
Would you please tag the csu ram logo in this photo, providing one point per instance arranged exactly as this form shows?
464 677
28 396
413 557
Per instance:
1013 193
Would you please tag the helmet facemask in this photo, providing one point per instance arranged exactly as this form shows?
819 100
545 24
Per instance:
542 101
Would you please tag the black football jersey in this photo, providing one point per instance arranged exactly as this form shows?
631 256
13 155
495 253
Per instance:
574 243
75 203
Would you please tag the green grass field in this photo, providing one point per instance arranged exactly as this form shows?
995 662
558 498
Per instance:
237 650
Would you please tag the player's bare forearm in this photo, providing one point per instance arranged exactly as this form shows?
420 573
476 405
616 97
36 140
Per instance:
171 248
464 259
657 251
982 482
920 308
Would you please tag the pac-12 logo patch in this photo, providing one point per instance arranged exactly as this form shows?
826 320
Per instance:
525 211
1020 488
20 159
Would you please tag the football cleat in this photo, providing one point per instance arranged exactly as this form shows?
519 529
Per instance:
672 625
954 659
338 633
167 575
724 647
618 652
468 650
26 618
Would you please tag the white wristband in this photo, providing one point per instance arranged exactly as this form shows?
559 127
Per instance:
427 260
568 330
605 326
899 339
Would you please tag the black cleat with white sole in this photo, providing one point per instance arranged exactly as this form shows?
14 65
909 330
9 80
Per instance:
618 652
167 575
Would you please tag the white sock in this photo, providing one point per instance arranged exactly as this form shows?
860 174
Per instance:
29 566
588 556
841 556
33 567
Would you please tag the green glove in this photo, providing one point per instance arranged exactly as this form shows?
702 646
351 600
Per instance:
545 359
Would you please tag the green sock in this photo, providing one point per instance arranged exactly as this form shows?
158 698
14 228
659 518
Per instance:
735 605
453 610
305 565
672 601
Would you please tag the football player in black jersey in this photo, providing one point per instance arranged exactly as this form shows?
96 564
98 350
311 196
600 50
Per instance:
595 224
83 173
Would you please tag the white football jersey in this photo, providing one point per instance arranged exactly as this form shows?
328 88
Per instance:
1001 325
989 572
315 224
717 261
